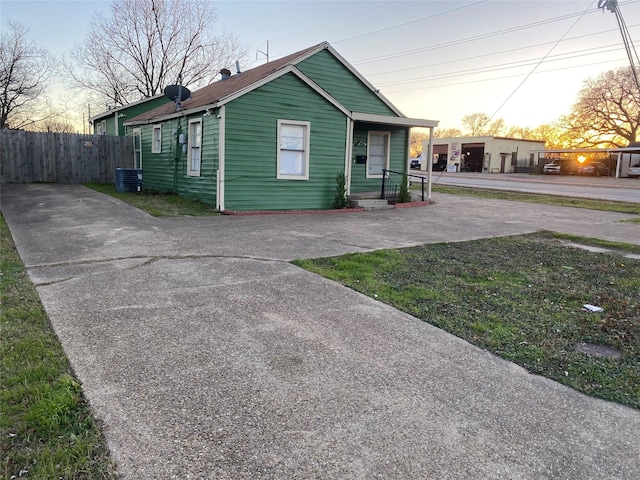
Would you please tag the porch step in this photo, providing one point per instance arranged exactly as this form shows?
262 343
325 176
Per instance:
371 204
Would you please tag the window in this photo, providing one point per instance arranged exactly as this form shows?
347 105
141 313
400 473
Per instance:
137 148
377 153
293 150
156 147
101 128
194 148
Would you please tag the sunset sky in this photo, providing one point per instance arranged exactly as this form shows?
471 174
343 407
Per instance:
523 61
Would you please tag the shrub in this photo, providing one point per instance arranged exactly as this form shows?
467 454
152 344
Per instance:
403 194
340 200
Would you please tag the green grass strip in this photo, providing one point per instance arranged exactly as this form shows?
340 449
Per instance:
46 427
544 199
156 204
519 297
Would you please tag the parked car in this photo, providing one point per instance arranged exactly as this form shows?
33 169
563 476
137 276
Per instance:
593 168
553 167
634 171
415 163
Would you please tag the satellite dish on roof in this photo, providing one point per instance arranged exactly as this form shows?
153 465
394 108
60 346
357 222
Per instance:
177 93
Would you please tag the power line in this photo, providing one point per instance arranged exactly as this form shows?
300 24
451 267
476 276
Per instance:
473 38
502 77
536 66
506 66
410 22
475 57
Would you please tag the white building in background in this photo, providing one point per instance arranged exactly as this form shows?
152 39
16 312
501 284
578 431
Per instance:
483 154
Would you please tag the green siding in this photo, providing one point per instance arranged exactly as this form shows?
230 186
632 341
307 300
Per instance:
398 156
128 113
251 148
162 173
111 125
325 70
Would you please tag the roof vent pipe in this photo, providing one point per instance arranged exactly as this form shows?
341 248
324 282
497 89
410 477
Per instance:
238 67
226 73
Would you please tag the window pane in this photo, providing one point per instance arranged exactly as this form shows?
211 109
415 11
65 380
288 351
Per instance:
291 163
195 134
292 137
195 159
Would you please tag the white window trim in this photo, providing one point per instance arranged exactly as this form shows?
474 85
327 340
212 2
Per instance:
137 132
154 148
102 127
388 152
193 172
307 142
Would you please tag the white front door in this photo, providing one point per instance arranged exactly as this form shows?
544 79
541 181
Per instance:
377 153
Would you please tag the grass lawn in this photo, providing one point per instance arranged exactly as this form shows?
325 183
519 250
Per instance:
158 205
519 297
46 428
621 207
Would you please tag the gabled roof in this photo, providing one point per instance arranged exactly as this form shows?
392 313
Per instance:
223 91
212 94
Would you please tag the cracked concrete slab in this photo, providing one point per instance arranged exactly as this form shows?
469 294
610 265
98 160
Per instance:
207 355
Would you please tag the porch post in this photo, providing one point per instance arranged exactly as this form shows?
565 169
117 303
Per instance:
348 154
429 161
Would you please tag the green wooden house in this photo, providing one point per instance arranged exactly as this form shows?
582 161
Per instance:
275 137
112 121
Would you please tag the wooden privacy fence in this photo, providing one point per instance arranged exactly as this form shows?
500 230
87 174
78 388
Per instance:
27 157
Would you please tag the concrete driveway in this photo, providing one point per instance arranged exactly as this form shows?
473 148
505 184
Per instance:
208 356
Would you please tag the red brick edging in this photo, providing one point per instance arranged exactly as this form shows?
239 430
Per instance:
412 204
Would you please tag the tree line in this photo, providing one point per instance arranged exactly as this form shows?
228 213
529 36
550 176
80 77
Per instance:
129 54
606 114
143 45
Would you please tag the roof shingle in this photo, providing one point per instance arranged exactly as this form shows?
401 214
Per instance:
223 88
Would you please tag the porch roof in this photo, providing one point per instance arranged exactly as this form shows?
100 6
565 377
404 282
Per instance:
390 120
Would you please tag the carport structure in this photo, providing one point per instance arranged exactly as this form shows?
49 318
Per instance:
625 156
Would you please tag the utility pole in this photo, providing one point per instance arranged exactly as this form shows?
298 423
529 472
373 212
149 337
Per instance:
634 60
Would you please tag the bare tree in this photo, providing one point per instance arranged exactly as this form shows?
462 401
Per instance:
607 113
24 71
447 133
480 124
143 45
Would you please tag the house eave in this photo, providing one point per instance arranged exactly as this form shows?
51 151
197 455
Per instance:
170 116
109 113
390 120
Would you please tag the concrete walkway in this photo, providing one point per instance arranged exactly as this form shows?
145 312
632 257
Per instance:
208 356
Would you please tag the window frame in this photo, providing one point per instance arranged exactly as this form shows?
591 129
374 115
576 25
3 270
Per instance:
192 172
156 143
387 135
137 149
101 127
305 152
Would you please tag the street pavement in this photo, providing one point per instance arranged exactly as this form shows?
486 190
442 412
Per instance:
207 355
598 188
